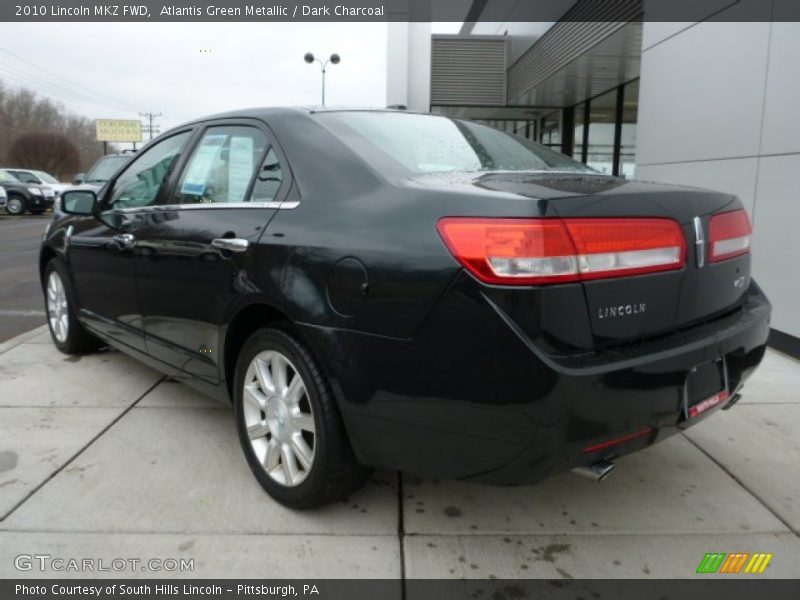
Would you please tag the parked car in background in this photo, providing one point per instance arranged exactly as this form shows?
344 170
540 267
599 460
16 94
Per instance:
3 198
38 177
103 170
407 291
25 197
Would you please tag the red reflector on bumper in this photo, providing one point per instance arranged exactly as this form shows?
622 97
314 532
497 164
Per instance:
617 441
707 404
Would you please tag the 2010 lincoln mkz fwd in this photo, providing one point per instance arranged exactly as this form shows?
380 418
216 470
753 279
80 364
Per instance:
407 291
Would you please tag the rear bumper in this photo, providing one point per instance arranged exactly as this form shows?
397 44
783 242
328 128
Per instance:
640 394
471 397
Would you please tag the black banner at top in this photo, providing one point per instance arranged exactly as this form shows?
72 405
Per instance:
397 10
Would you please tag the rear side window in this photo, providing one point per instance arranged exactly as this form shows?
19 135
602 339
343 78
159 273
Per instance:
222 166
269 179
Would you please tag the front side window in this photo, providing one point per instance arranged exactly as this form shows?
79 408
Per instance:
25 177
433 144
222 166
8 177
104 169
140 181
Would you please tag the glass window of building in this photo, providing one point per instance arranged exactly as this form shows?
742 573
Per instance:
577 143
627 151
602 123
550 134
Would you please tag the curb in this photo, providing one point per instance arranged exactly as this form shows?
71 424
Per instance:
21 338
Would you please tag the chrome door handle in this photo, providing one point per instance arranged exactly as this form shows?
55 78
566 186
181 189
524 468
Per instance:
232 244
125 240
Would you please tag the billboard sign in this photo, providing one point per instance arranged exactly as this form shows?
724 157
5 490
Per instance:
118 130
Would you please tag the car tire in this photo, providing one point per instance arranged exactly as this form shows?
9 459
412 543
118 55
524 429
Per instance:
294 440
68 334
15 205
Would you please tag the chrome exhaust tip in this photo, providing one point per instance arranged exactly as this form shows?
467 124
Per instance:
596 471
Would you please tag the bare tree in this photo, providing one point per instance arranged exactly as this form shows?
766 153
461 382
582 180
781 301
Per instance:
24 112
46 151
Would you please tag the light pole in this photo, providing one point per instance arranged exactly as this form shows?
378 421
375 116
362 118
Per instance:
334 59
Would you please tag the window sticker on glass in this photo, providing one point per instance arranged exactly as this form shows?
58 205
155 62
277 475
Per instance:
194 182
240 167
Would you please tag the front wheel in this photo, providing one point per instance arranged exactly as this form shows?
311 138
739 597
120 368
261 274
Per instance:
289 425
15 206
68 334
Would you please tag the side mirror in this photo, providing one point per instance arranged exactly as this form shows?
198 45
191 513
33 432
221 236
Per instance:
79 202
79 178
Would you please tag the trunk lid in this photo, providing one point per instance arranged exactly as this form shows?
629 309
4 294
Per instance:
627 309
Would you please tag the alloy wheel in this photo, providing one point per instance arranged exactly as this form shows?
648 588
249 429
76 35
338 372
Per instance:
57 313
279 418
14 206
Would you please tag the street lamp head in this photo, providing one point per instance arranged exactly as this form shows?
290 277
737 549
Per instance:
335 59
309 58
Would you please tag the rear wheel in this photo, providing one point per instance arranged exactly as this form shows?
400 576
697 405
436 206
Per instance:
15 205
68 334
289 425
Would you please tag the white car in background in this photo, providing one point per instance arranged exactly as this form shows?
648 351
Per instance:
3 197
42 178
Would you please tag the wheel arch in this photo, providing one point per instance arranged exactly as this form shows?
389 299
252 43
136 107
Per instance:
45 256
243 322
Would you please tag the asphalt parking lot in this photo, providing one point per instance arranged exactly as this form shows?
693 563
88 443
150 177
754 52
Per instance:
102 457
21 304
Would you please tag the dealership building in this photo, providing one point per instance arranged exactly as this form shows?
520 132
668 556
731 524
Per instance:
711 102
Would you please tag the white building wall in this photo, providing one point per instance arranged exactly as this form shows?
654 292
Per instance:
718 108
408 79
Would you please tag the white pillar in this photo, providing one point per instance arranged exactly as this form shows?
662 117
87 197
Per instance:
408 64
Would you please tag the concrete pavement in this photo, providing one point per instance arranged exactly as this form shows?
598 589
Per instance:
137 466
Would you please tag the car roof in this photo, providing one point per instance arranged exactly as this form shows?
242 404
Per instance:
278 111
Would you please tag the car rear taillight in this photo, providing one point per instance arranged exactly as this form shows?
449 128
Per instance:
539 251
729 235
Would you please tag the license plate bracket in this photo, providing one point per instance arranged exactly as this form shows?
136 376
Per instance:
706 387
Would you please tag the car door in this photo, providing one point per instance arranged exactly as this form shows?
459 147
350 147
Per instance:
192 254
101 249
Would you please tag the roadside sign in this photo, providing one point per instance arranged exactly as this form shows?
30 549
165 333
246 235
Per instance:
118 130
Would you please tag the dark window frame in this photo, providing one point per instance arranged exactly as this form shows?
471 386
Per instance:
200 129
567 143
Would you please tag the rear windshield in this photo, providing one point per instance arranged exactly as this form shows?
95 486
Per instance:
433 144
104 168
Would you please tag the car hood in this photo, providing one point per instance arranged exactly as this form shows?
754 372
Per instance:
91 187
57 187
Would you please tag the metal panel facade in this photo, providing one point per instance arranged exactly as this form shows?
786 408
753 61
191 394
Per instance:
582 28
468 70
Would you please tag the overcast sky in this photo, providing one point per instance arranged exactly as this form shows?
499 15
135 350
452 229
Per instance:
115 70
